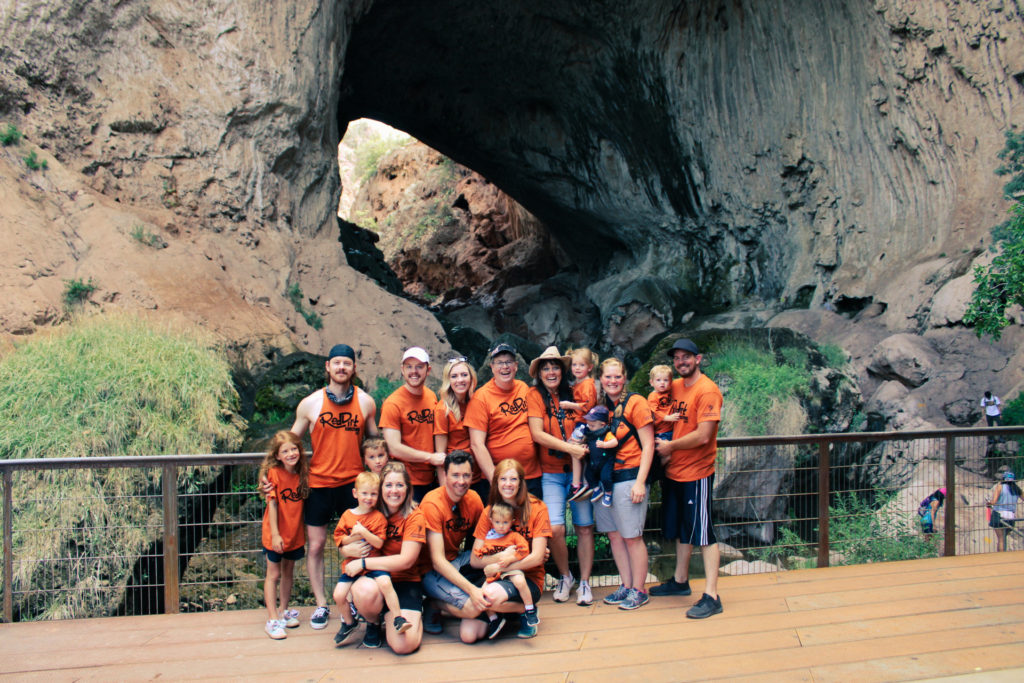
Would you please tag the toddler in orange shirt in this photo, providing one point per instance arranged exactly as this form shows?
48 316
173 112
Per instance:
499 538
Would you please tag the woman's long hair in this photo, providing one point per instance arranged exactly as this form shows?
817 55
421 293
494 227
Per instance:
407 505
521 502
564 389
270 459
448 396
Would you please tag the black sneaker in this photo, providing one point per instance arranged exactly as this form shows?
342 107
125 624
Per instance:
371 638
671 587
705 607
532 618
402 624
344 633
432 621
494 627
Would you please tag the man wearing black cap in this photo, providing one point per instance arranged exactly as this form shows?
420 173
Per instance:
690 477
338 417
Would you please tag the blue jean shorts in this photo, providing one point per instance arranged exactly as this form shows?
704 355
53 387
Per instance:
556 491
437 587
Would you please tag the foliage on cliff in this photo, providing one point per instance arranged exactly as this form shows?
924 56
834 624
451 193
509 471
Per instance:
114 385
1000 284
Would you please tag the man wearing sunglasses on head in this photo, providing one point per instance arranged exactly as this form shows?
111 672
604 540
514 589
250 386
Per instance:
497 420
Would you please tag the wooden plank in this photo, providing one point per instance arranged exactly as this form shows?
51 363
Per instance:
943 663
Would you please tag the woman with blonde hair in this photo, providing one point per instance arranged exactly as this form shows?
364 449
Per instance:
458 382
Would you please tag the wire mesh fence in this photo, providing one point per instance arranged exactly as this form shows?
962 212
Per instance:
124 536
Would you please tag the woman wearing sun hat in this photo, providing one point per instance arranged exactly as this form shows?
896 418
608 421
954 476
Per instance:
551 428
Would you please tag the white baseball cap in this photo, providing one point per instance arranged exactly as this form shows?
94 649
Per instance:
416 352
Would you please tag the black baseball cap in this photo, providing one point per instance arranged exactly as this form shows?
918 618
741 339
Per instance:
683 345
501 347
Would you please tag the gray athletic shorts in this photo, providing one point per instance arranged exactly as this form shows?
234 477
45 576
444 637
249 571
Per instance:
624 515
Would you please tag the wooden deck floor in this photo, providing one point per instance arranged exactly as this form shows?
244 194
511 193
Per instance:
947 617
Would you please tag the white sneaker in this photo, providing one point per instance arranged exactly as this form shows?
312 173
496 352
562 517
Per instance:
562 590
583 595
290 618
275 629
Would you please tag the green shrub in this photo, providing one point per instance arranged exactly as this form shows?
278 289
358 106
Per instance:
861 533
34 163
77 291
295 295
150 239
382 388
371 151
10 135
105 385
834 355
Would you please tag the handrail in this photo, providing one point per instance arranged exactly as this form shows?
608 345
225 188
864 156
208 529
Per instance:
170 464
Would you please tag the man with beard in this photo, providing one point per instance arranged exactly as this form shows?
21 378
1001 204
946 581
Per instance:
407 421
689 459
450 513
497 420
337 416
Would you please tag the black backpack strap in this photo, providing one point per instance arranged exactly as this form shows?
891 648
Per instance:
619 418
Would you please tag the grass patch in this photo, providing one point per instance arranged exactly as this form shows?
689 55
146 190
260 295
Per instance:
861 533
383 386
295 295
834 354
34 163
150 239
104 385
77 291
10 135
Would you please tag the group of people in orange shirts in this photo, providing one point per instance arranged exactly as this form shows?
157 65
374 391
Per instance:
456 509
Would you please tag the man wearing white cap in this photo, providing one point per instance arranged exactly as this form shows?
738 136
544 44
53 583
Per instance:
407 422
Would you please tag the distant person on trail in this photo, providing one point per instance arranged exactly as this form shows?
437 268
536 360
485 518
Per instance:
407 422
497 420
993 413
929 508
1003 504
284 537
689 460
337 417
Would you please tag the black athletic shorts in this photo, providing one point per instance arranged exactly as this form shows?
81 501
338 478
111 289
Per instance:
324 506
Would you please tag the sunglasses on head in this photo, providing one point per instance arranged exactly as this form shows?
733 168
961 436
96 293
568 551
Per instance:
457 359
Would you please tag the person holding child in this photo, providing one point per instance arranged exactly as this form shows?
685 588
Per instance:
498 539
364 522
284 536
530 519
632 426
550 424
660 402
404 555
597 433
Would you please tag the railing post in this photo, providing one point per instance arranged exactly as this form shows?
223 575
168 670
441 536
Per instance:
823 494
8 548
949 523
170 496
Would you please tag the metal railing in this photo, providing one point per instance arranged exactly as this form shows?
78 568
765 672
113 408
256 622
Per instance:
133 535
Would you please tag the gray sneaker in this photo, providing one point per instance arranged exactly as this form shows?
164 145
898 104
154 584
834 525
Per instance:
705 607
636 598
617 597
320 617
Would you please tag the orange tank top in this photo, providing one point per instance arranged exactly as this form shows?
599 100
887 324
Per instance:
337 437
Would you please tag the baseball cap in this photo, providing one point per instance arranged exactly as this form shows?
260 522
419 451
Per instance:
416 352
501 347
597 413
343 350
684 345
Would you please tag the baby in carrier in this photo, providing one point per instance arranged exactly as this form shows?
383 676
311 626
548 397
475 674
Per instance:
596 433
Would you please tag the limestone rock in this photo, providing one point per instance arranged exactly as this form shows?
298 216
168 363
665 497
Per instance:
741 567
906 358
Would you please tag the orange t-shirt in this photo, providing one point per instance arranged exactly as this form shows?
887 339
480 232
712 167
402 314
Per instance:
374 521
700 403
337 437
413 416
538 526
289 510
401 529
584 392
661 405
637 412
502 416
496 545
452 524
539 404
458 434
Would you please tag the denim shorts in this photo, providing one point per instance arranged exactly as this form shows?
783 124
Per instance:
624 515
437 587
556 491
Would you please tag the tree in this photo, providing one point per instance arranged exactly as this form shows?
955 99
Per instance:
1000 284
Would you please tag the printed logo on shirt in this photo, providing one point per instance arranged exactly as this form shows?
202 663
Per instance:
664 401
517 407
425 416
709 410
457 524
346 421
681 408
291 495
393 533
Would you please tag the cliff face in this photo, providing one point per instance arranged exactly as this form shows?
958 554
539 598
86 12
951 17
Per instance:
687 156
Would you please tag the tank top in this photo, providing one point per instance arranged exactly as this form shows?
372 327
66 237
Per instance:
1006 504
337 437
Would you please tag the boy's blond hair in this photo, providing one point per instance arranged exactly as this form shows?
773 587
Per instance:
366 479
658 371
502 510
373 442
